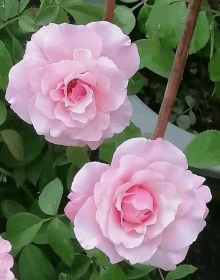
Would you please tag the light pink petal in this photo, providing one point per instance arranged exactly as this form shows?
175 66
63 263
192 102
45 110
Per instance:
93 131
89 234
198 180
83 186
34 47
64 139
141 253
5 246
182 233
188 200
116 179
167 260
40 122
46 105
111 35
61 113
19 92
57 72
119 119
177 175
117 47
62 39
165 216
6 261
151 150
117 234
93 145
204 193
89 114
143 201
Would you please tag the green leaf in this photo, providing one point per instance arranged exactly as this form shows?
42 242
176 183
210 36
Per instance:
11 8
17 49
201 34
6 64
50 198
84 14
20 175
102 259
183 121
107 149
192 117
214 69
26 23
180 272
47 15
155 56
33 171
136 83
60 242
22 5
21 229
204 150
124 18
217 90
11 207
3 112
33 264
113 273
129 1
71 173
71 3
190 101
140 271
41 236
143 16
154 24
77 155
62 16
14 143
79 267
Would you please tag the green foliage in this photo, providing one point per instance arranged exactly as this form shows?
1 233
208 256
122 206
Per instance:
155 56
21 230
204 150
180 272
36 174
140 271
113 273
33 264
60 242
49 199
3 113
107 149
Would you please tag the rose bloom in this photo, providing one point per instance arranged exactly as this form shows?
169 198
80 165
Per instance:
72 82
146 207
6 260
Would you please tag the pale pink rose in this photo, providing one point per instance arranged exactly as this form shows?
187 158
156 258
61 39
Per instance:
72 82
146 207
6 260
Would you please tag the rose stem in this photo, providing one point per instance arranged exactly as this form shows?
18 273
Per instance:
177 68
109 10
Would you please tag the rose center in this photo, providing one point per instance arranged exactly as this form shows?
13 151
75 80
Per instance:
75 90
137 207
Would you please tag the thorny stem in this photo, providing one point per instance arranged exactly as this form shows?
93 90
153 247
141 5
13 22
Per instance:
161 274
109 10
177 68
136 6
94 156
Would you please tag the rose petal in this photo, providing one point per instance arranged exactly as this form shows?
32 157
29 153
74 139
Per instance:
88 233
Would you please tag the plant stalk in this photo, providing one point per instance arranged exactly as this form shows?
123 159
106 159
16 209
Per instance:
109 10
177 68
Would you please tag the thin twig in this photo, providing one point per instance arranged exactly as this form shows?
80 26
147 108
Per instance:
177 68
109 10
5 172
136 6
161 274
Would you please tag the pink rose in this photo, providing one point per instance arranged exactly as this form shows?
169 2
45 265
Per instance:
146 207
6 260
71 83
